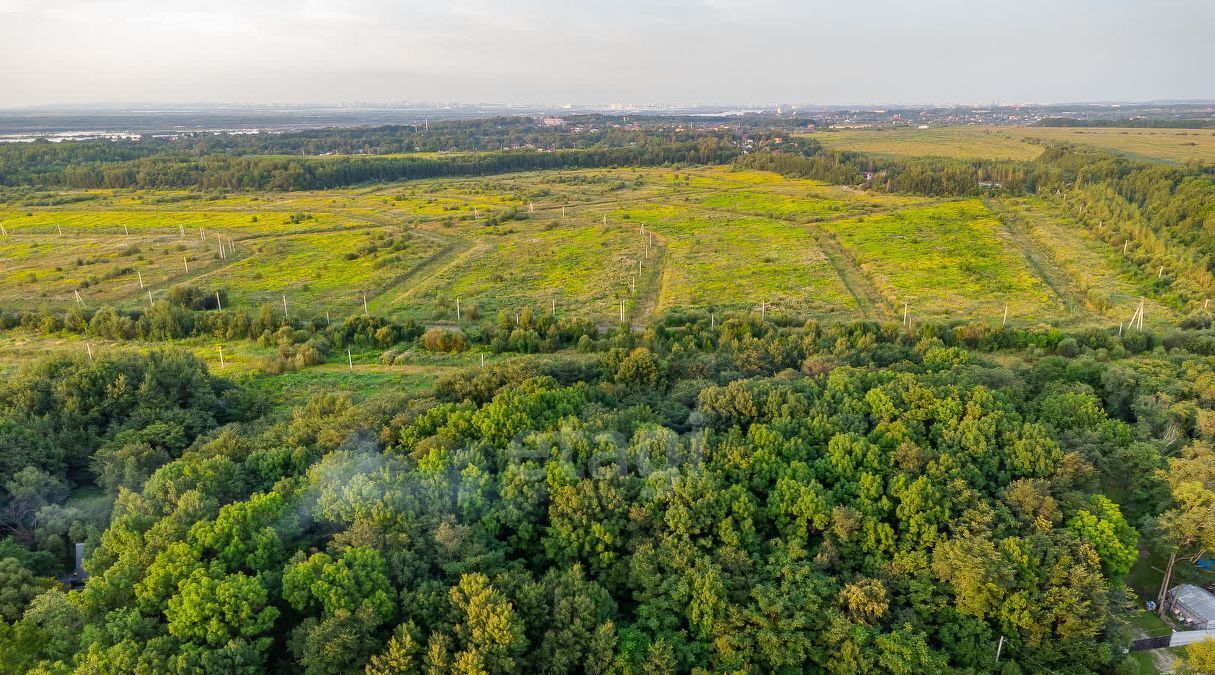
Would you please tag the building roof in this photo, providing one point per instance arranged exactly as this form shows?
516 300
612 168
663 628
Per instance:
1197 600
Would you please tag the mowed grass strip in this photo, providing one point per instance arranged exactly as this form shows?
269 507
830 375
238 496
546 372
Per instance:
736 262
950 260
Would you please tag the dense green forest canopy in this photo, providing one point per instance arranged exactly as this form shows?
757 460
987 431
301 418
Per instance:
839 498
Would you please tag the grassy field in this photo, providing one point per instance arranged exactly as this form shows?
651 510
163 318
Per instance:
736 262
1084 270
951 259
1022 143
718 237
955 142
1166 145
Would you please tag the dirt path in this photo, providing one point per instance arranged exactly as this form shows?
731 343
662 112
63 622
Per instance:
1040 260
868 300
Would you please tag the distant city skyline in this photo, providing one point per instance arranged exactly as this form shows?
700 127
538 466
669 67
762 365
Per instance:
548 52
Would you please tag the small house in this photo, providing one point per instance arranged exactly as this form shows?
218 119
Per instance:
1193 606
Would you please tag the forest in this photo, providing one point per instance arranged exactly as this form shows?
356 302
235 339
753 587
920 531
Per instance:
752 497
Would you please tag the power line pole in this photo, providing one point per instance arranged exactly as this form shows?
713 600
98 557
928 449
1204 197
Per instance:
999 648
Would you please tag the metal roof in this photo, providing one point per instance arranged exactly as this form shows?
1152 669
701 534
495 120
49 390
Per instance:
1197 600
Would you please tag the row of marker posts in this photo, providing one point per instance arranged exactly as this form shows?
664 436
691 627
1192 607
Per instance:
1136 320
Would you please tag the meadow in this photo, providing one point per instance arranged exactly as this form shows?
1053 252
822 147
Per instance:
569 241
951 259
1022 143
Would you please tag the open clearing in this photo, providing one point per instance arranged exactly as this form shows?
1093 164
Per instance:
955 142
1023 143
718 238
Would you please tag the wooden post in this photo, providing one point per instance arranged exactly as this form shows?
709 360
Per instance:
218 305
221 356
126 230
639 267
904 314
516 318
1120 328
285 315
202 233
457 309
365 310
563 212
554 308
349 359
150 303
2 230
632 283
90 348
1005 323
622 311
605 219
140 274
712 321
1124 245
483 359
181 230
647 250
186 261
763 309
78 298
58 229
1160 272
1141 304
328 323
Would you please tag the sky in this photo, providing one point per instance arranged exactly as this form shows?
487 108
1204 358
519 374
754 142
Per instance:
674 52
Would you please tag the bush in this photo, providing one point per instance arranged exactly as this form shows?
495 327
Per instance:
442 340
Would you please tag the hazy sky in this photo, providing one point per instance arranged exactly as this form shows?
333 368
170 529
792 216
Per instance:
638 51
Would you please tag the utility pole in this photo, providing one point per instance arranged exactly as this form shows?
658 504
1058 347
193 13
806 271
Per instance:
999 648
